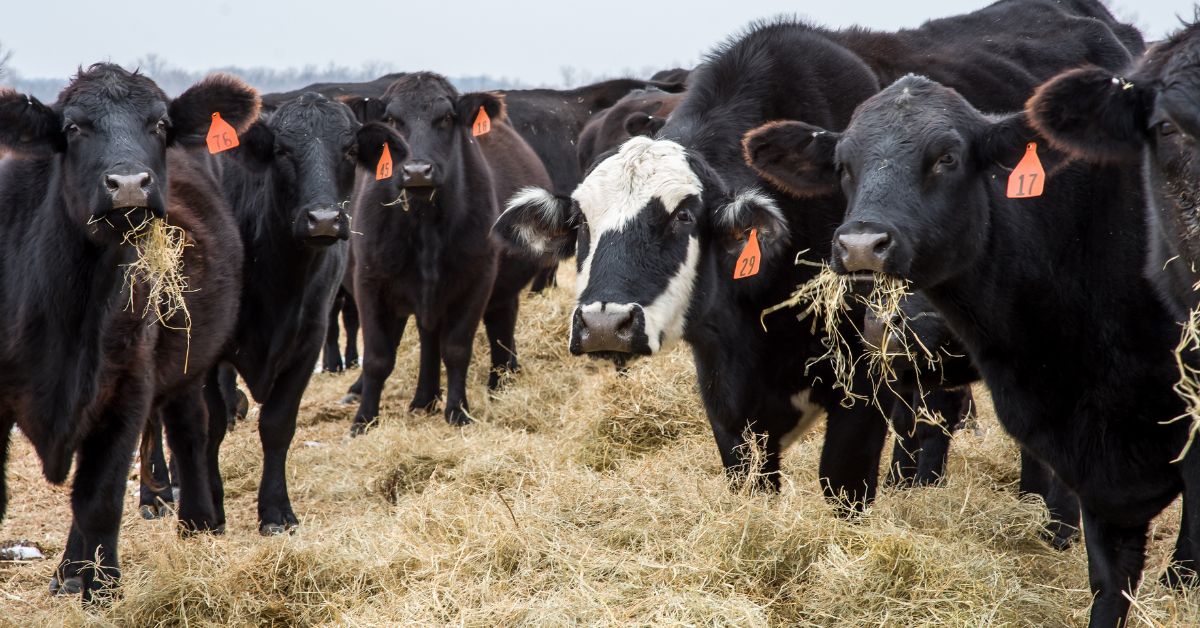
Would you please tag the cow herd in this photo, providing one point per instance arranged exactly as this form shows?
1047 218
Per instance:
693 203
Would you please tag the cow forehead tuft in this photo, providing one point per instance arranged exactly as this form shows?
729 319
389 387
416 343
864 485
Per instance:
641 170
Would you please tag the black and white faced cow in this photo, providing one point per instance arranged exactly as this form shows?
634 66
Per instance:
661 225
1047 293
81 367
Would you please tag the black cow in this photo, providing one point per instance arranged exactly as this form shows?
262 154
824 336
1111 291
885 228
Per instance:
1047 293
288 185
335 91
640 112
662 223
345 306
82 368
426 249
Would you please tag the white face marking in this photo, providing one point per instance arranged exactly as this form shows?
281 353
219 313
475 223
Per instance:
810 413
613 195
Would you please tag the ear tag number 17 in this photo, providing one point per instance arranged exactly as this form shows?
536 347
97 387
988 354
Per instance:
1028 179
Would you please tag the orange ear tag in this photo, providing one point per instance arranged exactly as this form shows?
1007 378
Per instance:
384 169
482 125
747 263
1027 179
221 135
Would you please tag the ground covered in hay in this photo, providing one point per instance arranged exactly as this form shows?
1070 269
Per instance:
580 496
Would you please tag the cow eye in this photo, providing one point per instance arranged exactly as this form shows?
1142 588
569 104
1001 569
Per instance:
947 162
446 120
160 127
71 129
1166 128
684 216
352 152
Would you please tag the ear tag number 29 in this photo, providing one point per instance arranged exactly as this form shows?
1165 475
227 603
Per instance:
221 135
748 261
1028 179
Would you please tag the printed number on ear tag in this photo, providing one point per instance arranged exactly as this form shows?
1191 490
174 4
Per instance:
384 169
482 125
221 135
748 261
1027 179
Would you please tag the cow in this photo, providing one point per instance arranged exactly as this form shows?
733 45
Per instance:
82 368
1047 293
640 112
662 222
335 91
288 184
426 249
344 305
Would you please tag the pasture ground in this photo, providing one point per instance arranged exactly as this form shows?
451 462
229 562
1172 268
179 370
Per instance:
581 496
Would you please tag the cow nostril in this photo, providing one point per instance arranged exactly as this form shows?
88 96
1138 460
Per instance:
146 180
882 245
111 183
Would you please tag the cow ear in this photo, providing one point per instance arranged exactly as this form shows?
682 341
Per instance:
642 123
1091 114
371 138
191 113
537 223
795 157
365 108
1004 140
29 128
469 104
257 146
752 208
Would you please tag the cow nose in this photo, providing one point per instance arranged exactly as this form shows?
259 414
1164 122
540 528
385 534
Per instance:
605 329
418 174
129 190
864 250
324 222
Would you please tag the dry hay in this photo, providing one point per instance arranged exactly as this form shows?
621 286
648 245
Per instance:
1188 386
159 267
582 496
828 297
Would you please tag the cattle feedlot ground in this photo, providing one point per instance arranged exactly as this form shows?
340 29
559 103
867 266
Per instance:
580 496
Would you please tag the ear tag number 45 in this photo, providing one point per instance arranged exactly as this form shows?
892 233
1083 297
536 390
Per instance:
1027 179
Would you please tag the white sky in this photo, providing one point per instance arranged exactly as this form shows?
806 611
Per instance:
529 40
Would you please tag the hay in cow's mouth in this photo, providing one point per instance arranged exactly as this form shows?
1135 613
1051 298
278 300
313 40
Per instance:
159 267
1188 386
827 297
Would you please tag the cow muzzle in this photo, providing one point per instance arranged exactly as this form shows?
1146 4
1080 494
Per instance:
863 247
609 328
418 173
324 225
132 197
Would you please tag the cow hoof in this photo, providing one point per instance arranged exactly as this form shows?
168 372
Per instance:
458 418
1059 536
358 429
276 529
243 406
421 405
151 511
67 586
350 399
1180 578
352 364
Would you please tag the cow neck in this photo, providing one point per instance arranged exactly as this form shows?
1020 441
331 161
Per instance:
887 54
70 288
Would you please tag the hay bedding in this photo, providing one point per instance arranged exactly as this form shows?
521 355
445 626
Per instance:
582 496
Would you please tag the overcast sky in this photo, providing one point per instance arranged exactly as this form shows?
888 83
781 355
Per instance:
529 40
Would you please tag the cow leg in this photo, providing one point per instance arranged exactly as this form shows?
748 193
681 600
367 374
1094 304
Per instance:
333 353
350 321
1185 561
6 428
276 428
429 372
546 278
154 492
948 409
215 399
186 421
456 353
1061 502
849 469
903 470
500 321
738 461
1116 556
381 332
232 406
97 498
